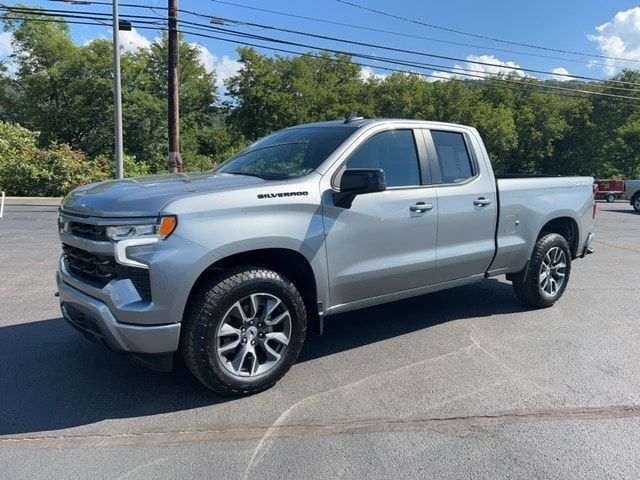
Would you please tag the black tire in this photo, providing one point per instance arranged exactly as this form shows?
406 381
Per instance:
207 309
611 198
526 284
635 202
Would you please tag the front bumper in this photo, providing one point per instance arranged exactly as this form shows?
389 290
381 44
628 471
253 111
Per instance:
93 319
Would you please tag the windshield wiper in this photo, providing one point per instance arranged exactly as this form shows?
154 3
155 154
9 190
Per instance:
264 176
246 174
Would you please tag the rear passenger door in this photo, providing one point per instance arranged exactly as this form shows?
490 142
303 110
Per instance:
467 205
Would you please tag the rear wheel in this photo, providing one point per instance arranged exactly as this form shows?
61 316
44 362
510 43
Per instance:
243 331
545 278
611 198
636 203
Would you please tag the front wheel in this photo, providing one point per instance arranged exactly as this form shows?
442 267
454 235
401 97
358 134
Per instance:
545 278
243 330
636 203
611 198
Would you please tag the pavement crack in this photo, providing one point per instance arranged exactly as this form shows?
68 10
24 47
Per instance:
454 425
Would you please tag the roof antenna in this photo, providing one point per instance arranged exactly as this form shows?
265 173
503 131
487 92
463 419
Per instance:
352 117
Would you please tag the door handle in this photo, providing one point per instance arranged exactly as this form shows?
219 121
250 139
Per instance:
421 207
482 202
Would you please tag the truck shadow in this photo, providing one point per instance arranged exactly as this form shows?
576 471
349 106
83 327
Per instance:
362 327
52 379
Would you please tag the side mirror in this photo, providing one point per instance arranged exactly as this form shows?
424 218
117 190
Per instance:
358 181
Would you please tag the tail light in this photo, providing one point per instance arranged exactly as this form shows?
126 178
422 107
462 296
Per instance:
595 189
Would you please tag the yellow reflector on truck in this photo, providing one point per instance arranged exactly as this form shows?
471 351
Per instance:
167 226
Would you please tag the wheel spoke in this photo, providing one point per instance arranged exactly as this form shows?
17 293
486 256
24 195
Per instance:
272 307
229 346
545 284
237 307
278 319
255 364
239 360
254 306
543 277
227 330
270 351
278 337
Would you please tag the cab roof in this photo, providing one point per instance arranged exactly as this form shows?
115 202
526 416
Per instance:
361 122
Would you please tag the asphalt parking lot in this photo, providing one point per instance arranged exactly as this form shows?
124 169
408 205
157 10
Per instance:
459 384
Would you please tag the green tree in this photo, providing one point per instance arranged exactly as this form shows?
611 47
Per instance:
623 152
273 93
65 92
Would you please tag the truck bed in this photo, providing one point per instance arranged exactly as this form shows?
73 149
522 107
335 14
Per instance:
526 204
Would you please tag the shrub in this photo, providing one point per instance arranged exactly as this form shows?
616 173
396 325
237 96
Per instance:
26 169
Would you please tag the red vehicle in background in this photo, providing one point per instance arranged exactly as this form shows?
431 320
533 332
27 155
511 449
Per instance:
609 190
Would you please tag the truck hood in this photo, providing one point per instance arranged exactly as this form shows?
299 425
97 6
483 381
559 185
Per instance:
146 196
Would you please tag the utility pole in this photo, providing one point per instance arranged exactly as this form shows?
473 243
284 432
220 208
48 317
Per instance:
175 159
117 92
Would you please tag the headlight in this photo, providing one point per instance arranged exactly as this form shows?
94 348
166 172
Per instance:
160 230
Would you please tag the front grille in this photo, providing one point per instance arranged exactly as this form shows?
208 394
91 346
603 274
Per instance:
97 233
99 270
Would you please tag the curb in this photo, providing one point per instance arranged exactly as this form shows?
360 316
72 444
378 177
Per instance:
34 198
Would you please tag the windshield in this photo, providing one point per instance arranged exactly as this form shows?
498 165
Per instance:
287 153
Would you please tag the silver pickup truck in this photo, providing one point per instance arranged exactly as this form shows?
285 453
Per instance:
632 193
229 267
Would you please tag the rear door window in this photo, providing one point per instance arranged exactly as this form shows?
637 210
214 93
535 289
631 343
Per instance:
453 156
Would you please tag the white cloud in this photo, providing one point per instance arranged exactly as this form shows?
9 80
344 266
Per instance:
367 73
6 48
486 66
132 41
439 76
207 58
497 67
224 67
619 38
560 74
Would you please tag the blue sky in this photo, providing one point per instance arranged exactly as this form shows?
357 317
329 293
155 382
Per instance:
610 28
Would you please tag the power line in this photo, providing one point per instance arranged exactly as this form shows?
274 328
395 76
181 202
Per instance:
399 62
521 84
405 35
394 49
96 22
404 63
455 69
484 37
402 50
326 37
401 34
77 14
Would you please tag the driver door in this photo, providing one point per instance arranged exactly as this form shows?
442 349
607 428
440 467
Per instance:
386 241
